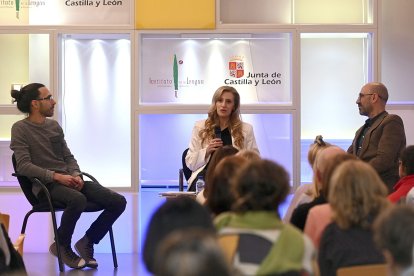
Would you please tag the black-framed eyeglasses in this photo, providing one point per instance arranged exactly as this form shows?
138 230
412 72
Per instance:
47 98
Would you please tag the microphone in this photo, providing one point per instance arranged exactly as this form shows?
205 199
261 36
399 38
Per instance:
217 132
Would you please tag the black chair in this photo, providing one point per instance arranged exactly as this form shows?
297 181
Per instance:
53 207
184 172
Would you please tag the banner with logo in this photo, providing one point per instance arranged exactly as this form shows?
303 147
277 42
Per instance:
65 12
189 70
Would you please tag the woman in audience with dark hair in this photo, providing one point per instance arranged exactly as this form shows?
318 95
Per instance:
223 126
394 230
254 238
219 197
357 195
191 253
406 171
176 214
215 159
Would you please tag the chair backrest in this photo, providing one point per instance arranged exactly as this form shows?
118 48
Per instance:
25 184
363 270
187 172
228 244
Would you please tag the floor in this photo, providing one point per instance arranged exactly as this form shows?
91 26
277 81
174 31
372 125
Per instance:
42 264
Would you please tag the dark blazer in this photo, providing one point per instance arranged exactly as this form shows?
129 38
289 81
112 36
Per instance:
382 145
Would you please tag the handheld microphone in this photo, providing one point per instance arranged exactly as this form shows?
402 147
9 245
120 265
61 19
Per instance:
217 132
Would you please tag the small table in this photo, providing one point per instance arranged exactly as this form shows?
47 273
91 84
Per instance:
174 194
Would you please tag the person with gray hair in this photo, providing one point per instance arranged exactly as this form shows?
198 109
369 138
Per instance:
191 252
382 138
393 233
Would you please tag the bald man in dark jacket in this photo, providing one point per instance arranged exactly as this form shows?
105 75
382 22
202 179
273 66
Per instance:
382 138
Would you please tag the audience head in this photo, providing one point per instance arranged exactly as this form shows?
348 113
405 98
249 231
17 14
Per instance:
372 99
407 161
26 95
393 233
316 147
249 154
357 194
335 161
176 214
261 185
218 155
191 253
219 197
323 159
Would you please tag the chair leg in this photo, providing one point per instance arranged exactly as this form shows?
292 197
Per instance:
26 218
111 237
61 266
23 231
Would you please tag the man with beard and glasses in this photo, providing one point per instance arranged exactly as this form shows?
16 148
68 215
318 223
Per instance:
382 138
41 151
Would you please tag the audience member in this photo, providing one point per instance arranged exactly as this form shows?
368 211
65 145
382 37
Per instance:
406 172
190 253
175 214
249 154
220 197
264 244
11 262
409 199
321 215
215 159
382 138
393 233
222 127
357 195
323 159
307 192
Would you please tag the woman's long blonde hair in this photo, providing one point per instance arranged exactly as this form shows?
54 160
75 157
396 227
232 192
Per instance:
235 123
318 145
357 194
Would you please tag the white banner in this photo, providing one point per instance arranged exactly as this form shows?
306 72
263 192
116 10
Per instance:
187 70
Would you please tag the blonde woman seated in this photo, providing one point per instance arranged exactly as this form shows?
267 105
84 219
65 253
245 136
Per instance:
321 215
323 159
307 192
257 242
357 195
222 127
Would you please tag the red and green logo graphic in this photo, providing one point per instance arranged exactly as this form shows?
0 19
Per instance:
17 8
175 75
236 68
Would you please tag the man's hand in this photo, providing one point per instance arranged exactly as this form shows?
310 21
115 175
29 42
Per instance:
74 182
